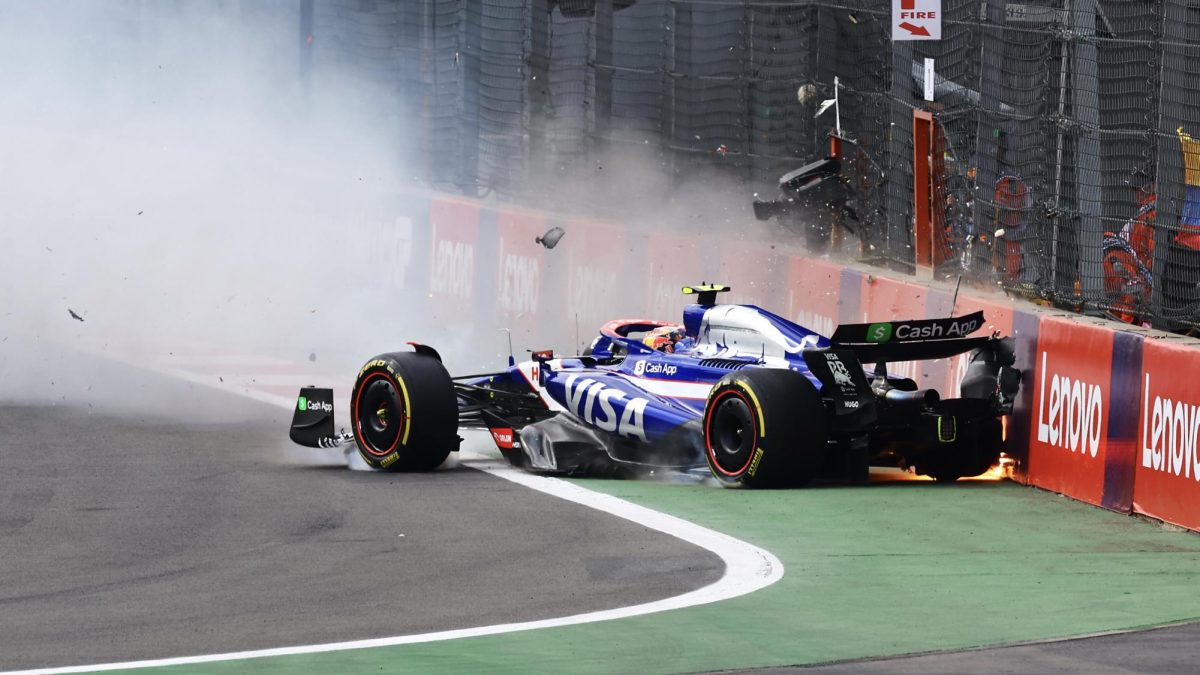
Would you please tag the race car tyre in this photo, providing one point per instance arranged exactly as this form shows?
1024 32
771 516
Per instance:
975 450
764 427
405 412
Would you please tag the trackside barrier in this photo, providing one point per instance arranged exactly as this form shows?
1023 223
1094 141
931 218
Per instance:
519 266
1166 465
601 262
813 291
1073 398
1106 415
454 239
753 271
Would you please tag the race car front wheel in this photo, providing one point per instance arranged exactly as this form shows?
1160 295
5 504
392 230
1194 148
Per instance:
404 412
764 428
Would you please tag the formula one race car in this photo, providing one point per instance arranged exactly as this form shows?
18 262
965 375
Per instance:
758 399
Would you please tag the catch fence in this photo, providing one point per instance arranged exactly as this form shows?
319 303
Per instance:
1060 124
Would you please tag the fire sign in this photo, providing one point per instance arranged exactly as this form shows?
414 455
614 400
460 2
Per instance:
916 20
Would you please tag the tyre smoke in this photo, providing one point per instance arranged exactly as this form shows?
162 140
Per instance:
173 184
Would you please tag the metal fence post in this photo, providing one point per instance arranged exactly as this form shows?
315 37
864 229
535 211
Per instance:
1162 235
991 78
923 131
538 85
898 242
603 74
1085 108
472 32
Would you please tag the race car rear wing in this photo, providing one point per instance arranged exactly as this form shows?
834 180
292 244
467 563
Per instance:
915 340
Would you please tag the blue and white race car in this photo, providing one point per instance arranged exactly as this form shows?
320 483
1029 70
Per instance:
758 400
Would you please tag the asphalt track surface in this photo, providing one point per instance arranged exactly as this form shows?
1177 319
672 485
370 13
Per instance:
191 526
133 536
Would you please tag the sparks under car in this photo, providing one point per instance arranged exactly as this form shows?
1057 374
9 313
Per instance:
759 400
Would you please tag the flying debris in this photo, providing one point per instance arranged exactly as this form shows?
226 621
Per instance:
74 315
550 239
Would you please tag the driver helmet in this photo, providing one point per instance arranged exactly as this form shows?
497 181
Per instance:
663 338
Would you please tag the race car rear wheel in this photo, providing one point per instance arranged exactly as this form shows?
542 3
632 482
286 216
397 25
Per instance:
404 412
764 428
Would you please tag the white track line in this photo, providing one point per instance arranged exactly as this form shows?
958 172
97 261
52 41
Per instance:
748 568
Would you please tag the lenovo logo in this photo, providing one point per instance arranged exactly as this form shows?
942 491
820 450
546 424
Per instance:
1169 430
1070 412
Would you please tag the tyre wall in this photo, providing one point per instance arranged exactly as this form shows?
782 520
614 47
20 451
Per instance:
1106 415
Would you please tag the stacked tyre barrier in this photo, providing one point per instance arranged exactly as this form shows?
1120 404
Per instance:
1107 414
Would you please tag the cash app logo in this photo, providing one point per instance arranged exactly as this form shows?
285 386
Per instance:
879 332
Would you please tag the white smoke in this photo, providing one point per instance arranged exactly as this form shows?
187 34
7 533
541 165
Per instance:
170 182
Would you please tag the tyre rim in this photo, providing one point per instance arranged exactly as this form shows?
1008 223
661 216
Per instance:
379 414
731 433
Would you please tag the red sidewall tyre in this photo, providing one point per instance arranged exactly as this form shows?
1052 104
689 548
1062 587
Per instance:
765 427
404 412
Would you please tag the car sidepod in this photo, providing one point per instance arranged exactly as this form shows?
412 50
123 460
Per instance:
609 420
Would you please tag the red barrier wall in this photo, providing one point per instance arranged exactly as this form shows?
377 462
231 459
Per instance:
1167 474
520 260
814 290
454 233
892 298
752 271
1068 434
597 253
